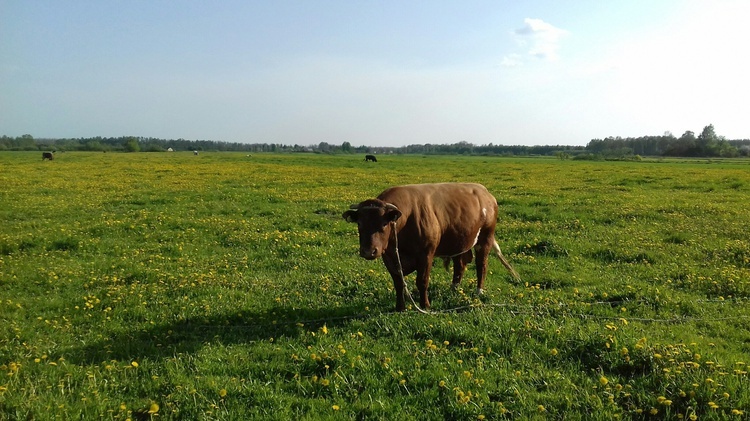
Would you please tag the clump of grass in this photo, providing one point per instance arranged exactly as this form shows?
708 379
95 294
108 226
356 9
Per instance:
64 244
543 248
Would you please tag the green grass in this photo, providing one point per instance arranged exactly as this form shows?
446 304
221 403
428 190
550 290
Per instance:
222 286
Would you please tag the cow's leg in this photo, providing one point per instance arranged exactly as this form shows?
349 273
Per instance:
408 266
459 266
483 248
424 265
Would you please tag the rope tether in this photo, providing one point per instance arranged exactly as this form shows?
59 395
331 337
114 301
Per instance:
400 270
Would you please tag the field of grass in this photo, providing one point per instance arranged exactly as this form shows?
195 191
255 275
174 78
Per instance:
223 286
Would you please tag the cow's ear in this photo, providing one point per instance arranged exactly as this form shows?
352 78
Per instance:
392 215
350 216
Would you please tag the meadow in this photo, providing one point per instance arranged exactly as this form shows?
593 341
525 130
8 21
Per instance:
225 286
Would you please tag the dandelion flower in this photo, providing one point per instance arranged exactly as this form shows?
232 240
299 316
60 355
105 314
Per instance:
154 408
336 407
603 381
222 392
134 364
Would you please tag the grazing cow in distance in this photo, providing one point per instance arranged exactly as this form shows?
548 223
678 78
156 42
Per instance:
371 158
47 155
195 152
408 226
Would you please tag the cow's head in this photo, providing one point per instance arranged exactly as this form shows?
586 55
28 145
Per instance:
373 218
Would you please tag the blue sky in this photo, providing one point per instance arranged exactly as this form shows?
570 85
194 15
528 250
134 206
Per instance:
386 73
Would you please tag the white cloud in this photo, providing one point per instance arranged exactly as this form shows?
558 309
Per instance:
511 60
541 39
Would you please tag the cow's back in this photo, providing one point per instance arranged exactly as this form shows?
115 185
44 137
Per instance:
445 216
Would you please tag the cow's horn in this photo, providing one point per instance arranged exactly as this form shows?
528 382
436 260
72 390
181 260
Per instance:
355 206
391 206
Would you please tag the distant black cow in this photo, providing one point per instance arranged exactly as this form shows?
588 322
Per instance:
371 158
47 155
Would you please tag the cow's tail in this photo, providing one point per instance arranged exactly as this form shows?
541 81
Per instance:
505 261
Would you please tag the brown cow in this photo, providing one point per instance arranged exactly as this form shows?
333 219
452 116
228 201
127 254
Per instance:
443 220
47 155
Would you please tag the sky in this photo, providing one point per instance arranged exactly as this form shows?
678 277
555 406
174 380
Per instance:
375 73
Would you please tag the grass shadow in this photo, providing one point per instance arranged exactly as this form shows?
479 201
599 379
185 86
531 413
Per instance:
190 335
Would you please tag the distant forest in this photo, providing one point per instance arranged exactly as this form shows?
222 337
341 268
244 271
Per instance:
706 144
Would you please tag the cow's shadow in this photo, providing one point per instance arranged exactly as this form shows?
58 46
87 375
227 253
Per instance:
190 335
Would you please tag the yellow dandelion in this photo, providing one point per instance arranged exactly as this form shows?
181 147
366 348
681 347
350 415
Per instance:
325 382
222 392
553 351
154 408
134 364
336 407
442 383
541 408
324 329
603 381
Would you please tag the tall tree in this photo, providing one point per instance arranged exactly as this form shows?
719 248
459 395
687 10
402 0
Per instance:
708 141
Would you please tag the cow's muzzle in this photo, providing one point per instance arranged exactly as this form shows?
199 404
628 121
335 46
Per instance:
369 253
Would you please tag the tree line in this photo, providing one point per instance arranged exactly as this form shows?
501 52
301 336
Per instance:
706 144
149 144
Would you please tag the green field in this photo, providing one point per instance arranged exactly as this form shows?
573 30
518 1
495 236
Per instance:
227 286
